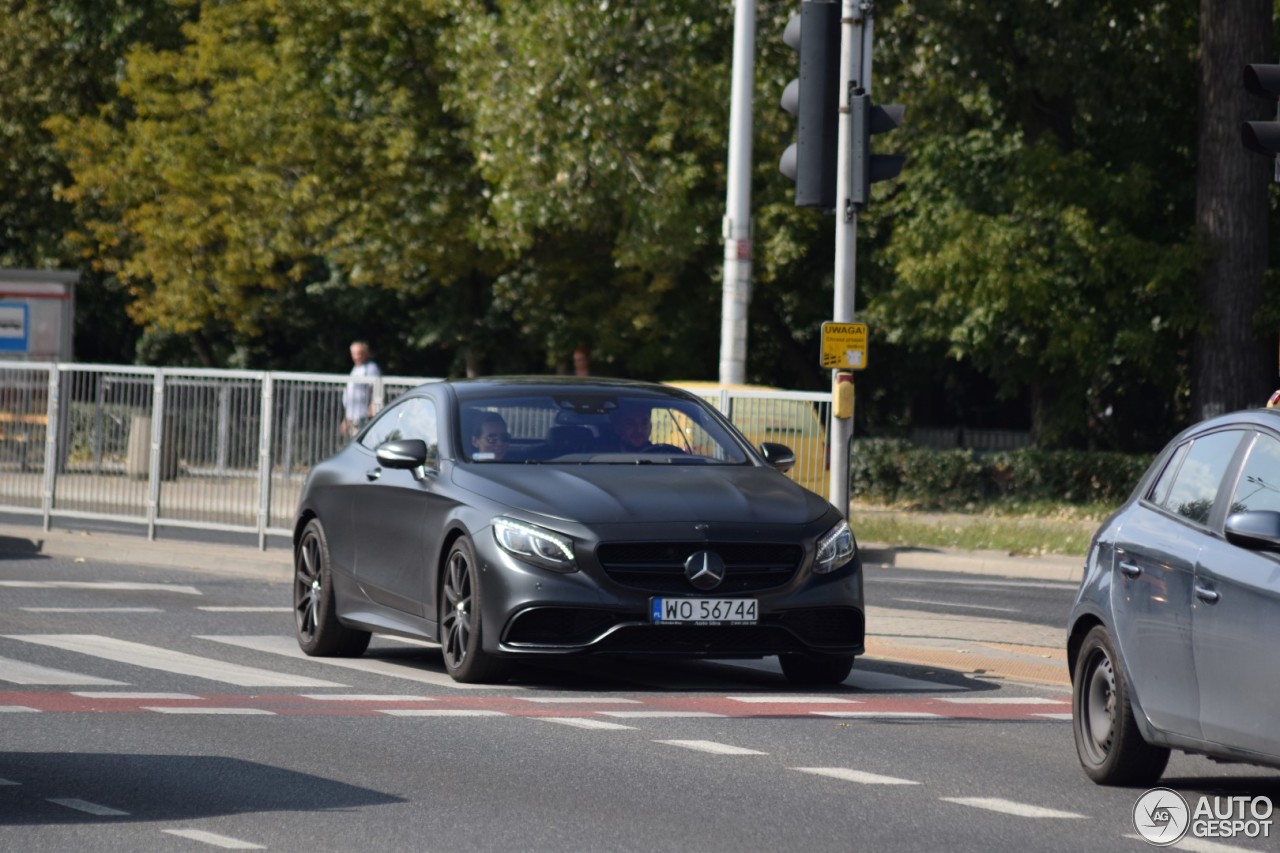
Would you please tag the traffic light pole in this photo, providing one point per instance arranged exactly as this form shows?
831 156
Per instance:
736 291
855 73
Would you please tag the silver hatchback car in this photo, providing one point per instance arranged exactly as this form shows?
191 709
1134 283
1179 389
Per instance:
1170 641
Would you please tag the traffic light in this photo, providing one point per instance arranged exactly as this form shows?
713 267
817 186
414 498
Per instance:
1262 136
869 118
814 99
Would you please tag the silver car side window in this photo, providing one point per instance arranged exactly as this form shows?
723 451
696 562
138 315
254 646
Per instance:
1195 487
1259 486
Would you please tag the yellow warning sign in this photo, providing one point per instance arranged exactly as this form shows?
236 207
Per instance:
844 346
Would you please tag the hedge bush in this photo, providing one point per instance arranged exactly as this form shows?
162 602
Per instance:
894 471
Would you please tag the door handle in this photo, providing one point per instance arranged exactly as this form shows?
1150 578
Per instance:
373 474
1130 570
1205 594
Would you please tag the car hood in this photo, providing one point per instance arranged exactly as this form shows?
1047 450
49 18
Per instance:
613 494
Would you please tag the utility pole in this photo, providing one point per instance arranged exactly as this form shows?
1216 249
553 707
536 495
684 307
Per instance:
855 74
737 217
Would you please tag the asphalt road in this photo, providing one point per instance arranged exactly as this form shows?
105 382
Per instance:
154 709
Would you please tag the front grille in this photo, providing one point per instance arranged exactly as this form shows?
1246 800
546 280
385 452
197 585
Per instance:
658 567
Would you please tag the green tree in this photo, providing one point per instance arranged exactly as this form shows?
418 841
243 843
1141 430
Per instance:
1033 233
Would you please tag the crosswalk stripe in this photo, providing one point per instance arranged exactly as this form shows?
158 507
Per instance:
1002 700
210 609
187 709
224 841
20 672
712 747
1010 807
659 714
17 709
104 586
923 715
131 697
793 700
365 697
440 712
1066 718
584 700
587 723
88 807
288 647
90 609
858 776
165 660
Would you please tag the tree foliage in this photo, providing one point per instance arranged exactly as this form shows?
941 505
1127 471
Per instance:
485 186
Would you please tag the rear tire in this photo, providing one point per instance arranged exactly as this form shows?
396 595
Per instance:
316 624
816 669
461 622
1110 747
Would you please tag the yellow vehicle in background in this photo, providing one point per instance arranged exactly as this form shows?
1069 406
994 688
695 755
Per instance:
794 418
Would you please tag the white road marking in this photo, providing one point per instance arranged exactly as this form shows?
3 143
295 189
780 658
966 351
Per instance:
20 672
952 604
586 723
794 700
91 609
712 747
365 697
924 715
224 841
17 709
1001 700
855 776
210 609
574 700
242 712
1011 808
103 586
659 714
1065 718
102 694
288 647
959 582
90 808
440 712
152 657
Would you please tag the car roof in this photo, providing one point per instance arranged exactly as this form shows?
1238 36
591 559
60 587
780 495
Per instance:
486 387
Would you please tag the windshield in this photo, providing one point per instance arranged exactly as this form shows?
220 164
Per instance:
594 427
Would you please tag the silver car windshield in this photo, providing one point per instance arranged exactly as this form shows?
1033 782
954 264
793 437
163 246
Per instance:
595 428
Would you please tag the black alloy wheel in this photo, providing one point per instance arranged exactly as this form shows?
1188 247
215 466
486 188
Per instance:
461 625
1110 747
316 624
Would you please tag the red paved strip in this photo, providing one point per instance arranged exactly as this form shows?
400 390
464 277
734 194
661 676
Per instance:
294 704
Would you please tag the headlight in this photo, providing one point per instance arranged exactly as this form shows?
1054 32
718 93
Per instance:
836 548
535 545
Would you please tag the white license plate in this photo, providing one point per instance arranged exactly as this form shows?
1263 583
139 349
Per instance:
705 611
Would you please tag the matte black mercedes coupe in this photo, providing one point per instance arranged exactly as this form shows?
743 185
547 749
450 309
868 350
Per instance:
540 516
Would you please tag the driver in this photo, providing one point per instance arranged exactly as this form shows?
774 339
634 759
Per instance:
631 423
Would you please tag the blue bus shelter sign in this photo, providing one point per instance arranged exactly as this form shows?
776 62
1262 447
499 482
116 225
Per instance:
15 327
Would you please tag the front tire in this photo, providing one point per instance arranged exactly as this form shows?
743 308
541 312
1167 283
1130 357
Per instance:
1110 747
461 624
816 669
316 624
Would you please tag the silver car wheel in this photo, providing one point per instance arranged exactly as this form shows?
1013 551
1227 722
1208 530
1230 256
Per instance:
1099 704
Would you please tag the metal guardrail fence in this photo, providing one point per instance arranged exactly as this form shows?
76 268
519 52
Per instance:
230 449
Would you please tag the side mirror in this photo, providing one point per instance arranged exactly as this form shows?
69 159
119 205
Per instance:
1257 530
778 456
403 453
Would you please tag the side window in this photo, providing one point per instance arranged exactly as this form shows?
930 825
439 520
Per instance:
1259 486
1160 491
412 418
1195 485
